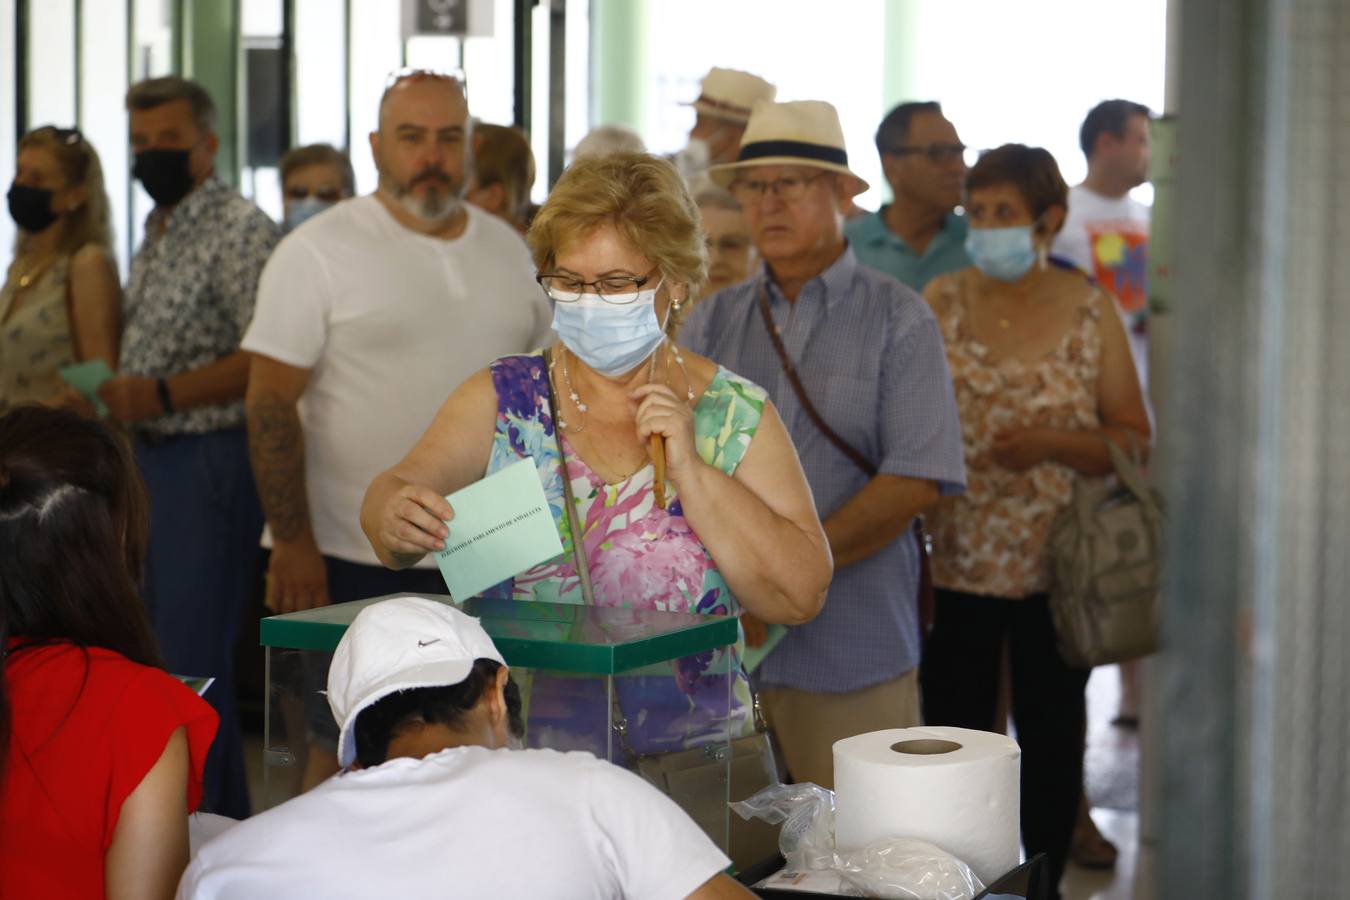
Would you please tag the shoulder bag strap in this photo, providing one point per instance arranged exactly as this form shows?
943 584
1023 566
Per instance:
844 447
569 502
618 721
925 596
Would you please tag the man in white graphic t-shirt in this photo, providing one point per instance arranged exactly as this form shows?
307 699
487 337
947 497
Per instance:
436 805
1106 232
1106 235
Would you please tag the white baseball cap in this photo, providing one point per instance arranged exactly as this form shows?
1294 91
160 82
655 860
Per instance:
396 645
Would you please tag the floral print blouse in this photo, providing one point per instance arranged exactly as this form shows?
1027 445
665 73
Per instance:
991 539
35 339
640 556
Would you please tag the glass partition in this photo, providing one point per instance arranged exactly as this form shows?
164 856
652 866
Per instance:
319 37
9 124
376 50
152 55
103 118
52 85
265 112
651 691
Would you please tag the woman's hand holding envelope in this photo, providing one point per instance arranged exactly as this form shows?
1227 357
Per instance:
413 523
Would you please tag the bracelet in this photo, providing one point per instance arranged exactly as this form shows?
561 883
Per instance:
166 401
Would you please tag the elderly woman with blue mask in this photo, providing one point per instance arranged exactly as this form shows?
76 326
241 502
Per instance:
1043 375
730 527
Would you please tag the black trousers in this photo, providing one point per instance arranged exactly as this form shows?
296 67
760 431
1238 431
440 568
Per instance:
960 676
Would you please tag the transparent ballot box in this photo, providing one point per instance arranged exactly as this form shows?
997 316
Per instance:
655 692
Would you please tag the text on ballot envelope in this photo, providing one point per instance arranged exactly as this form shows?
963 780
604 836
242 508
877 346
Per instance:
502 526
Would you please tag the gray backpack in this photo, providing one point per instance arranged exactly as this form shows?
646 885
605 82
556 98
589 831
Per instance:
1104 551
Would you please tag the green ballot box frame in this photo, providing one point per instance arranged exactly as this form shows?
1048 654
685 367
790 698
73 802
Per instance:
564 637
568 648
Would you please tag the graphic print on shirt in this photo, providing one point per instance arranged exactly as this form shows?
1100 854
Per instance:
1120 261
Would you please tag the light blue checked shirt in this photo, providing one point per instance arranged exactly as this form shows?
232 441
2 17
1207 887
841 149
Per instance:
869 352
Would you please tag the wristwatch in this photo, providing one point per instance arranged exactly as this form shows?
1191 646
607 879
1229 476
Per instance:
166 401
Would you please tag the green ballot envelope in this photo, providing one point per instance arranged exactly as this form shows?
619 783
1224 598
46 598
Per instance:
753 656
502 526
87 378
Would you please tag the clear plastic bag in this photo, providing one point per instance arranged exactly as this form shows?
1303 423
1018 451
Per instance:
806 812
902 868
908 869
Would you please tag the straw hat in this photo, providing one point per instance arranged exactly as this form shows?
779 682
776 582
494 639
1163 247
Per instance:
732 94
801 133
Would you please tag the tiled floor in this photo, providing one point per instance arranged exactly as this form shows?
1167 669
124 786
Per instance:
1113 787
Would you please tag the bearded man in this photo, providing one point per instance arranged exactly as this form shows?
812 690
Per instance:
366 319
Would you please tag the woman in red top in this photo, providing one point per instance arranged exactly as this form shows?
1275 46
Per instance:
101 751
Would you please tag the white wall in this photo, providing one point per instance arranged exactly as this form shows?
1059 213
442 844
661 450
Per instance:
1004 70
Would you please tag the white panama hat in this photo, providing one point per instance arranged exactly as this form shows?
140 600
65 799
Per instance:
396 645
732 94
800 133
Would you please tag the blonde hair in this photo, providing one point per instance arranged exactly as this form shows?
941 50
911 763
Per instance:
646 201
79 165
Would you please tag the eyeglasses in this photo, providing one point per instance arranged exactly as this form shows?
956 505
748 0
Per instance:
413 74
937 153
789 188
619 290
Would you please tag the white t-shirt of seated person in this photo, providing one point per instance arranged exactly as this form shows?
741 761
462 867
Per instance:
389 322
465 823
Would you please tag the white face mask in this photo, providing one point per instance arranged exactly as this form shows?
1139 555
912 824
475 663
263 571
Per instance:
611 336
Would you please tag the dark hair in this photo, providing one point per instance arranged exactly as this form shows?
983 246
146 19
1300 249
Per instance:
318 154
894 129
380 723
154 92
1108 117
72 540
1032 170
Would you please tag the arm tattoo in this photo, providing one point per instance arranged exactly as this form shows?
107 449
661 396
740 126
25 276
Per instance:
276 447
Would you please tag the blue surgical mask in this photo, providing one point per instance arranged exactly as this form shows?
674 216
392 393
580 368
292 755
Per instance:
302 210
1003 253
610 337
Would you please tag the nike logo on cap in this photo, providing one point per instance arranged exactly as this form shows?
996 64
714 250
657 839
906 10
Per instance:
428 643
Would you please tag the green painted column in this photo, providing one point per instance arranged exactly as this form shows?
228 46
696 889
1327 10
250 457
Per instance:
899 62
619 51
209 38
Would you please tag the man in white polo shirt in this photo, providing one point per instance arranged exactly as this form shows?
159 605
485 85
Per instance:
366 319
436 806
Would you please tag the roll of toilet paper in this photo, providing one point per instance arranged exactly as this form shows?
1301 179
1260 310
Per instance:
953 787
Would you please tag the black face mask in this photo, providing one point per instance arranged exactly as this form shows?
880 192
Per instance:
31 208
164 175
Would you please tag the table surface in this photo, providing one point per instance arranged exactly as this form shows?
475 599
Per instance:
565 637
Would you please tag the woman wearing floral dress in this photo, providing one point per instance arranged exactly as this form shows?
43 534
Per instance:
619 249
1043 377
